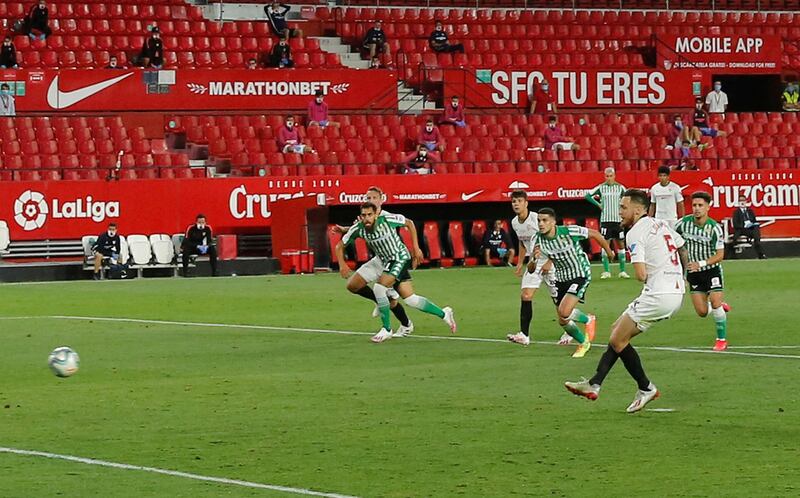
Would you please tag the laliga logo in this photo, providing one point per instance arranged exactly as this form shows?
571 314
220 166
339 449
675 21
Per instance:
31 210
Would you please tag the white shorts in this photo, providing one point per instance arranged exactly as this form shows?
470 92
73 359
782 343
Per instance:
372 270
534 280
648 309
563 145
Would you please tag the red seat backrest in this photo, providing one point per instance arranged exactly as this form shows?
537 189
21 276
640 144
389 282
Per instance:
333 238
431 234
455 234
362 253
477 232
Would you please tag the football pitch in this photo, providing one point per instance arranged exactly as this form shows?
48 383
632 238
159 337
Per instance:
269 386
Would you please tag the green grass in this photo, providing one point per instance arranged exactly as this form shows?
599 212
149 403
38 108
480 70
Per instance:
412 417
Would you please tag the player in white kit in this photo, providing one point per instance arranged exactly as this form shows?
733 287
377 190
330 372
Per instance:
666 199
526 226
654 254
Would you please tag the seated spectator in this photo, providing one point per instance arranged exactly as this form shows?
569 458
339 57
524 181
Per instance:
542 101
107 246
701 121
453 113
420 161
717 100
281 55
113 64
198 241
152 54
791 97
746 224
8 55
497 244
375 41
375 63
276 16
682 138
252 63
38 20
554 139
439 42
430 138
7 104
318 112
289 138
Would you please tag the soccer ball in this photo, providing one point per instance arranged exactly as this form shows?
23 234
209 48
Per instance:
63 361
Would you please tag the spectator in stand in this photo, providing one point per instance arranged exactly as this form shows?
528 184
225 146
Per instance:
107 246
453 113
252 63
375 41
38 19
682 138
701 121
791 97
152 54
113 63
746 224
276 16
542 101
554 139
281 55
7 105
717 100
289 139
8 55
375 63
198 241
318 112
421 161
497 244
430 138
439 42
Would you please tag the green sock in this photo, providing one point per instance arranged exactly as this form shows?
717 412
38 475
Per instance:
721 321
421 303
574 332
621 256
579 316
604 258
383 307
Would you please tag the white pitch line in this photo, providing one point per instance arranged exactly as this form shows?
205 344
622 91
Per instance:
437 337
174 473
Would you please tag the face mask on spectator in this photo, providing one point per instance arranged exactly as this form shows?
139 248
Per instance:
289 124
423 152
679 124
455 103
5 92
545 88
552 125
319 100
717 88
429 128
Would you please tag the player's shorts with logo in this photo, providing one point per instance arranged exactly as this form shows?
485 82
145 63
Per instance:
612 230
577 287
648 309
398 269
706 281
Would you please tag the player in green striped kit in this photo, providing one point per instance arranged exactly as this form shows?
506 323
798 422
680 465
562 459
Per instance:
701 256
380 234
562 245
607 196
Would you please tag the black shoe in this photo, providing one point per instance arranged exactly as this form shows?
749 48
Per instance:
96 276
763 256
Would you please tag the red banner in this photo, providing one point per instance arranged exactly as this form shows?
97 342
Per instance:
71 209
199 89
728 54
571 88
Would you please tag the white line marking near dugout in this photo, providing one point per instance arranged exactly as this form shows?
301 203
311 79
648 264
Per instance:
436 337
174 473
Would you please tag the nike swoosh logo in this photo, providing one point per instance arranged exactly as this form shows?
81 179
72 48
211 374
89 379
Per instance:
61 100
466 197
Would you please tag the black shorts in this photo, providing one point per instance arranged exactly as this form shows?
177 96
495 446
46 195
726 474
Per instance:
612 230
577 287
706 281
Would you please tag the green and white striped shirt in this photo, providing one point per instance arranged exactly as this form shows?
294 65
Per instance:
565 250
383 240
610 196
702 241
